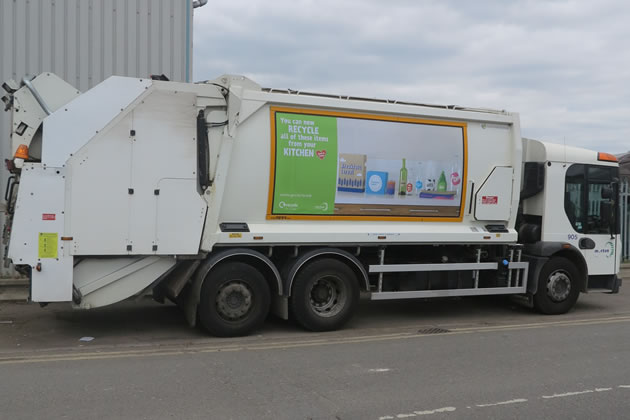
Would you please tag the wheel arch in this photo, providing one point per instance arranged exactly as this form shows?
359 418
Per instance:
578 260
544 251
250 256
339 254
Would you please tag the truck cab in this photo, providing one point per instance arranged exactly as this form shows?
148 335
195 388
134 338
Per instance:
569 211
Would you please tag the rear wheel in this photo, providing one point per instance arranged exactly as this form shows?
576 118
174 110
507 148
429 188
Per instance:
558 287
325 294
234 300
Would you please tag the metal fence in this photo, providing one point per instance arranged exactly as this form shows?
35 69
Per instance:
624 212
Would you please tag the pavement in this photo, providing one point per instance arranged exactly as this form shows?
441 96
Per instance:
13 289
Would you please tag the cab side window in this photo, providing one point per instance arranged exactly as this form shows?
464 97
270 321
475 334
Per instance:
583 197
598 178
574 196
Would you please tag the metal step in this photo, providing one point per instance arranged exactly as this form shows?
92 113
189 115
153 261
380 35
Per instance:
448 293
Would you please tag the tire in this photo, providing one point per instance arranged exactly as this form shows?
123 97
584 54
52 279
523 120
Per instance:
324 296
558 287
234 300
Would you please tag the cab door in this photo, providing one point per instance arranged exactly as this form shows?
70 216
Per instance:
591 206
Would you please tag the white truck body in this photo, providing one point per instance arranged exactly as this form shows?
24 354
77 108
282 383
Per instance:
144 183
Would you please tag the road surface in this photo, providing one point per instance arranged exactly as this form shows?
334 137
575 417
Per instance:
474 358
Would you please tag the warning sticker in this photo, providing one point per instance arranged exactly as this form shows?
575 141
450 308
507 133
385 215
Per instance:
489 199
48 216
48 245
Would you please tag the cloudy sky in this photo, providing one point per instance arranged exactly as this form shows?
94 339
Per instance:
563 65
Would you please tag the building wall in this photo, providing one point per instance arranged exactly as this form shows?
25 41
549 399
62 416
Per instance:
86 41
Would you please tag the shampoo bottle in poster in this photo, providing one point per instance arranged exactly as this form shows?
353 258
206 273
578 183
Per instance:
402 181
441 185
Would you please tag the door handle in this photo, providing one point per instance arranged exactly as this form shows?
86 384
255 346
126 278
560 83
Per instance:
586 243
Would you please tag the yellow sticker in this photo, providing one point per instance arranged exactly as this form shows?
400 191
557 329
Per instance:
48 245
236 235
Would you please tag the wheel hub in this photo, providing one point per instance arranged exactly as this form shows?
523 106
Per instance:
322 293
234 300
558 286
328 296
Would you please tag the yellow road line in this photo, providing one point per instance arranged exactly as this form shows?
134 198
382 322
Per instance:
196 349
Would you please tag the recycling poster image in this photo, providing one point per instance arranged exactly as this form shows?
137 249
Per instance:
306 164
339 165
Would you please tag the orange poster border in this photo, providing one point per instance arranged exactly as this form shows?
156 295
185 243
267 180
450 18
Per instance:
272 167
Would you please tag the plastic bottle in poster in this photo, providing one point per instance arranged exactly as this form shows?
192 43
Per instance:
419 183
402 181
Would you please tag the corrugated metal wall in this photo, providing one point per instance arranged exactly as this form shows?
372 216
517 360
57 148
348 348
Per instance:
86 41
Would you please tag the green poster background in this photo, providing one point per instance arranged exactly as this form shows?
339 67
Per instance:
306 164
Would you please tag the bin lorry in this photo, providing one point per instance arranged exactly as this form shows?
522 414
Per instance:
234 201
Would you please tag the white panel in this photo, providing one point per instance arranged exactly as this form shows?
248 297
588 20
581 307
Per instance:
55 91
54 282
39 210
72 126
180 216
94 273
493 199
171 147
104 218
109 281
101 171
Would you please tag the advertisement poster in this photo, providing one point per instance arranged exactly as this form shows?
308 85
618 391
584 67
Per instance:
333 164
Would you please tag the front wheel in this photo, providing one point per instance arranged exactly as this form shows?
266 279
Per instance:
234 300
325 294
558 287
